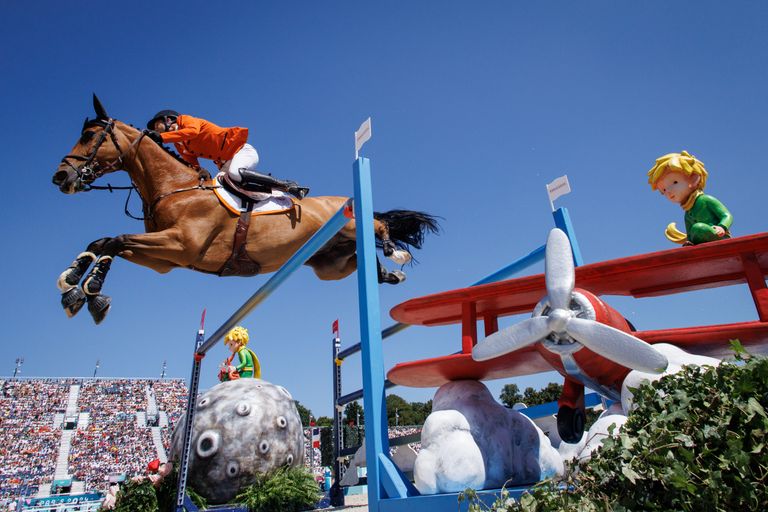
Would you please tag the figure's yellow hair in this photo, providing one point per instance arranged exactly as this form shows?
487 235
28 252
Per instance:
681 162
237 335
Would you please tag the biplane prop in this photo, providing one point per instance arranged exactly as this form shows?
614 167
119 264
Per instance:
573 331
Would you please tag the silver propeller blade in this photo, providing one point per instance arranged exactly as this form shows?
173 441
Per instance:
558 270
616 345
525 333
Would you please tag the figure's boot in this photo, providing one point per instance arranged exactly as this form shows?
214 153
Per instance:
257 182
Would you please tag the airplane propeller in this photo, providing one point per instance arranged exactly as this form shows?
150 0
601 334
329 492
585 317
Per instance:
559 278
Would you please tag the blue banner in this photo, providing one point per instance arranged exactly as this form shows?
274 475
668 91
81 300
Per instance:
67 499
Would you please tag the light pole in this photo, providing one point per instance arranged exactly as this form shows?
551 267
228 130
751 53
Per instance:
17 370
95 370
162 373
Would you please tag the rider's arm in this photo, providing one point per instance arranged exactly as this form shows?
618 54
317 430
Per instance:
189 128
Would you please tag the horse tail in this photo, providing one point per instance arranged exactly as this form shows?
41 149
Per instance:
407 228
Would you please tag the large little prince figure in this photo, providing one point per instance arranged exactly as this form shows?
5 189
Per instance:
236 340
681 178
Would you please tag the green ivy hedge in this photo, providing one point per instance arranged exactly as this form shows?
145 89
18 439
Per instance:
695 442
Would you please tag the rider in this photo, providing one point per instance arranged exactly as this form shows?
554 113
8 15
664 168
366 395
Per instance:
227 147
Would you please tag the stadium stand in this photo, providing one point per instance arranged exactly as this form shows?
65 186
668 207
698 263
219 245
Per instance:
81 429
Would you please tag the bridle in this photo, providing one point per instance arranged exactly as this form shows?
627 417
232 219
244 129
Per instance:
92 169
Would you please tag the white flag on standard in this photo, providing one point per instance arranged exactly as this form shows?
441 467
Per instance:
362 135
559 187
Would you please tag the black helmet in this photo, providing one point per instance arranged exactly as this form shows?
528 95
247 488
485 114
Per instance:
161 115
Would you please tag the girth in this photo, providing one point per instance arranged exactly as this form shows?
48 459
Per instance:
239 262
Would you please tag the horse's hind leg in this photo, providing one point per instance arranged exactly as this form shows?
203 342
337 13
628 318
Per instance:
72 296
388 247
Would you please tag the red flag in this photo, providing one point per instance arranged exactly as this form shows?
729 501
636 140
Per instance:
336 328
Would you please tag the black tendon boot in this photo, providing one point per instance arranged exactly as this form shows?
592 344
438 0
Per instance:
95 280
257 182
70 277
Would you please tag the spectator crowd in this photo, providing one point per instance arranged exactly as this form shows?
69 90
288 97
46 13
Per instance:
111 445
28 442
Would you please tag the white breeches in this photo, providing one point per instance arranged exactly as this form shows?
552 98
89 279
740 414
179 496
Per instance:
245 158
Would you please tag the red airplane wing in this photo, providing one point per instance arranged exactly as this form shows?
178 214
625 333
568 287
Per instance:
727 262
710 340
682 269
435 372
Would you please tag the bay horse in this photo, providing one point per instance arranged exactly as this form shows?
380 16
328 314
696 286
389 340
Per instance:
187 226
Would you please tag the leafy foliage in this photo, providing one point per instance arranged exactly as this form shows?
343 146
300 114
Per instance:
510 394
136 497
144 497
166 494
402 412
287 489
304 413
696 441
326 447
353 412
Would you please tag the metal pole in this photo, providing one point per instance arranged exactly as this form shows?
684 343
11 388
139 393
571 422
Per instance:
17 370
319 239
162 373
194 384
335 493
95 370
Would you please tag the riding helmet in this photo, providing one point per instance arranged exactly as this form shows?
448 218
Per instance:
161 115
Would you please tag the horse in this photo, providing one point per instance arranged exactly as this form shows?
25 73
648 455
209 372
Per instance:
187 226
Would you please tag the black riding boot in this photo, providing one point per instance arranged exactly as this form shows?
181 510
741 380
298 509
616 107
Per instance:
257 182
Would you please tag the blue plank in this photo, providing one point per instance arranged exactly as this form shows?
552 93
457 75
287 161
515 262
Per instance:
440 502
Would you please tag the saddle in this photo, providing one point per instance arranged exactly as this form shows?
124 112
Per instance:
239 203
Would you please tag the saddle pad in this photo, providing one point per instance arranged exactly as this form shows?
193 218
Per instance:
279 201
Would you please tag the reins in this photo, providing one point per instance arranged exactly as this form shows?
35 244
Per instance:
92 170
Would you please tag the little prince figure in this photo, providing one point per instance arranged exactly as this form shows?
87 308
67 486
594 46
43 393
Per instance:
236 340
681 178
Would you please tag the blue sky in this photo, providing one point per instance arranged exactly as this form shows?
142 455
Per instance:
475 107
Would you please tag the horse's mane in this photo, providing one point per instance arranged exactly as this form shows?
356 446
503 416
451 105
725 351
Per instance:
90 123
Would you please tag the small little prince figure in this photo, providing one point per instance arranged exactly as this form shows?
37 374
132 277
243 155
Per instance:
681 178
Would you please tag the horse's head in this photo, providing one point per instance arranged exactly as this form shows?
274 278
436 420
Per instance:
96 152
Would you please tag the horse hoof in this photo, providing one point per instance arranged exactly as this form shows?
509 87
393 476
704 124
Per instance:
98 307
72 300
394 277
400 257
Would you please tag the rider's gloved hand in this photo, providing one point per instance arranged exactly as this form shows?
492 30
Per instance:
155 136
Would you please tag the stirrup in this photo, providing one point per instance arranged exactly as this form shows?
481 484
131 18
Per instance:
297 191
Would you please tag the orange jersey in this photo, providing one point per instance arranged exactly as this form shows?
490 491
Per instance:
198 138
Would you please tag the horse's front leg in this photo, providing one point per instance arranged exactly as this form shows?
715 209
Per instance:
98 304
160 251
72 296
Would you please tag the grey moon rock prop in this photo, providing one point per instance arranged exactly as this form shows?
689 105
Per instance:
242 428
